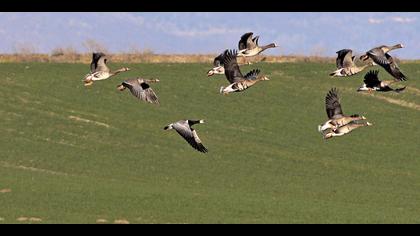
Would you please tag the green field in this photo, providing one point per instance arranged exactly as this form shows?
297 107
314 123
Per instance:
70 154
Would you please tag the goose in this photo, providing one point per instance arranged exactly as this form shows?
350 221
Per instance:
335 113
99 70
238 82
378 53
345 129
218 68
248 46
183 127
372 83
345 64
381 57
141 89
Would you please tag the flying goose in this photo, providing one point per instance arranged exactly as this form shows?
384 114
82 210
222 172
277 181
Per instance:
99 70
183 127
248 46
345 64
218 68
238 82
335 113
345 129
381 57
372 83
141 89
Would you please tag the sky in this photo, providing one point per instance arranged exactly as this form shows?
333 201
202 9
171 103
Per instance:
210 33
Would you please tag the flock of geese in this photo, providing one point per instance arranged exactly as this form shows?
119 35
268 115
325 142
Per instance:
226 64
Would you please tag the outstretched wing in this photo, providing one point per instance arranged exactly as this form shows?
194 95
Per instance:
190 135
94 63
378 56
218 61
100 63
141 90
371 79
246 41
393 69
344 58
333 105
253 74
231 66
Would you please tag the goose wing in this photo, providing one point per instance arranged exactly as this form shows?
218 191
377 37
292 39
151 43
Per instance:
255 40
101 64
253 74
190 135
232 72
246 41
378 56
141 90
371 79
218 61
344 59
393 69
94 63
333 105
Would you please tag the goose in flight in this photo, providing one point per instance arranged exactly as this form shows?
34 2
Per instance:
141 89
346 65
99 69
372 83
183 128
238 82
335 113
345 129
381 57
218 68
248 46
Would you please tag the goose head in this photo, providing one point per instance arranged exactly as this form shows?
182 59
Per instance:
168 127
121 87
328 135
364 57
216 71
263 77
386 49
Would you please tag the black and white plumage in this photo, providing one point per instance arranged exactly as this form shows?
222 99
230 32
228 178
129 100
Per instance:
248 46
381 57
238 82
218 68
392 68
141 89
99 69
184 128
247 42
372 83
335 113
346 65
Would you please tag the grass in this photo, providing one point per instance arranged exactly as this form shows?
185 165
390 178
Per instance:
70 154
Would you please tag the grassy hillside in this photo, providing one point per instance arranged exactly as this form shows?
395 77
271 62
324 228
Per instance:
70 154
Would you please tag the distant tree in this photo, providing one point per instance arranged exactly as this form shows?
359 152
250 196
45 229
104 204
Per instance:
92 45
